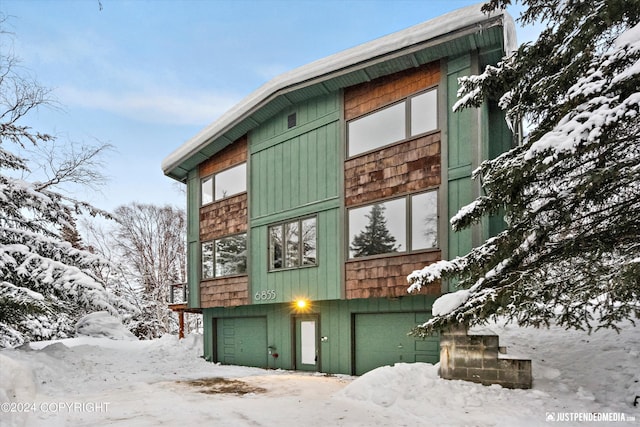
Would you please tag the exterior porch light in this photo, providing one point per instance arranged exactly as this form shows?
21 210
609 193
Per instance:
301 305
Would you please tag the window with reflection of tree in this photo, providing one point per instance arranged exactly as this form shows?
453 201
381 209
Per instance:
377 229
406 224
293 244
226 256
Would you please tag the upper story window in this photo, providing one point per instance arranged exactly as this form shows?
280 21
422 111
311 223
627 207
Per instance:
226 256
406 224
293 244
413 116
224 184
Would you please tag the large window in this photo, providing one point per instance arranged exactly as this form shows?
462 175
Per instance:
400 225
293 244
224 257
224 184
413 116
378 229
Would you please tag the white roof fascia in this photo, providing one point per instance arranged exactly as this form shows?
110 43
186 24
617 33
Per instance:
399 41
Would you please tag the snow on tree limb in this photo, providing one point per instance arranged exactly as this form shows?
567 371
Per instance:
46 284
571 191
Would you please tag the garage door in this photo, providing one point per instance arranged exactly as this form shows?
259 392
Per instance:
242 341
381 339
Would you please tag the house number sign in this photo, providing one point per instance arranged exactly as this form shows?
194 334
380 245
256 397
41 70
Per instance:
267 295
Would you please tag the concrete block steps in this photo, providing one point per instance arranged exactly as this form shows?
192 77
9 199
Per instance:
479 358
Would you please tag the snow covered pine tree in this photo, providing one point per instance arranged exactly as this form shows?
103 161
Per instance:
45 283
570 252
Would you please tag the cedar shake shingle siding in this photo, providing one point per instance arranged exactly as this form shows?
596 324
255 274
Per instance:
225 217
225 292
387 276
367 97
403 168
407 167
232 155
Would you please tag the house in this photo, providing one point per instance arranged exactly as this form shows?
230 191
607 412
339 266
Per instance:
311 200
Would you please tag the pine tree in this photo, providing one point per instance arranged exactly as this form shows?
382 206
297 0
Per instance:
571 190
45 283
375 238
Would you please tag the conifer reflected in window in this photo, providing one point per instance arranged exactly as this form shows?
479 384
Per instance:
381 228
377 229
231 255
207 260
224 257
293 244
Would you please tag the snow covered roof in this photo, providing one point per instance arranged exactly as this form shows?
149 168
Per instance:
428 34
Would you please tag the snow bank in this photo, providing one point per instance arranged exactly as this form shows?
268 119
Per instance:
573 372
102 324
17 379
144 384
417 390
389 385
17 384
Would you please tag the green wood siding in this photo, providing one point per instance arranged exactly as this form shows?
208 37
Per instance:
460 128
460 124
460 194
316 283
473 136
500 139
336 319
193 236
294 173
307 112
297 166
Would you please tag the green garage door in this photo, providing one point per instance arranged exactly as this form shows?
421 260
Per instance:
381 339
242 341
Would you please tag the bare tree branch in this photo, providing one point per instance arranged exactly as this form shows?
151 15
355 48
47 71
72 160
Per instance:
71 163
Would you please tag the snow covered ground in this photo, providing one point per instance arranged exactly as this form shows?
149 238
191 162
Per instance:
93 381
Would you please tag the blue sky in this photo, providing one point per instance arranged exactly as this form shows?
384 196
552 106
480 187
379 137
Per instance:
147 75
